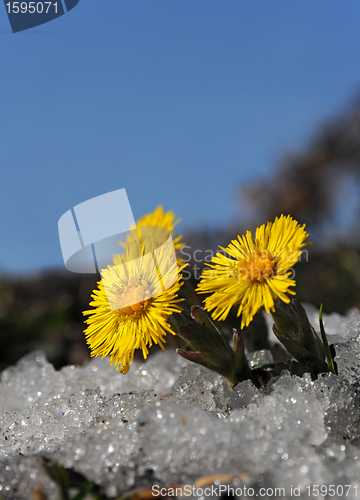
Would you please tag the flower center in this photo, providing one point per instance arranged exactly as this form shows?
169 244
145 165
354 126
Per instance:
258 266
134 298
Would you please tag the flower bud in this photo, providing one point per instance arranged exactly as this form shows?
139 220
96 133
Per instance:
208 346
294 331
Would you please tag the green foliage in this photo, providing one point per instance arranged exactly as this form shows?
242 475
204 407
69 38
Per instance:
68 479
44 312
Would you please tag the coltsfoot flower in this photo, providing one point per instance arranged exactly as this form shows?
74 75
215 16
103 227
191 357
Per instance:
131 305
254 271
162 219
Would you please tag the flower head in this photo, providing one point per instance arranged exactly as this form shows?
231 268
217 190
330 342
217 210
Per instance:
162 219
254 271
132 303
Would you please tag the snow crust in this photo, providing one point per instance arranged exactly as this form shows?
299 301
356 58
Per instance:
172 422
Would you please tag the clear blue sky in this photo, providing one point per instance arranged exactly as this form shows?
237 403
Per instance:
178 101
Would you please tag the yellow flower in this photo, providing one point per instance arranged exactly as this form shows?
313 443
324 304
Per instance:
133 302
163 219
255 271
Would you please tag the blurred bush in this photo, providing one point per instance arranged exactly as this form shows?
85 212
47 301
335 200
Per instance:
44 312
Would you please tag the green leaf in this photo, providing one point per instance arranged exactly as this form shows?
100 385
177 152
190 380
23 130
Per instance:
329 357
60 476
87 487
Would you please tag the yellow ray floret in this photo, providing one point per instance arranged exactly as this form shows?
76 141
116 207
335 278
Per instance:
162 219
133 302
253 271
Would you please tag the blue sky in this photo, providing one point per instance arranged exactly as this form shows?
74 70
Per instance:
179 102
